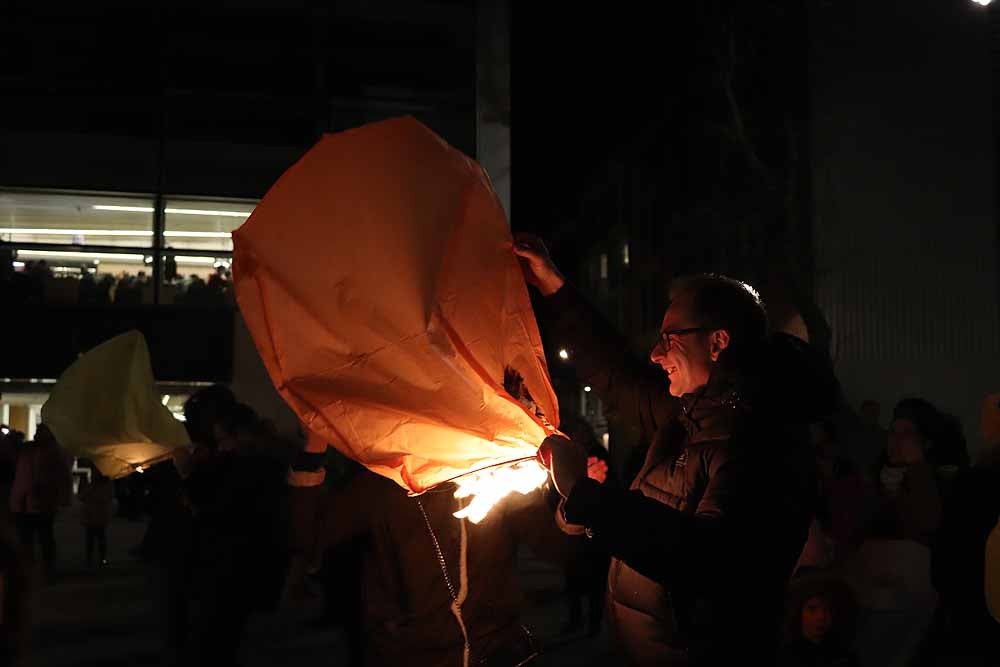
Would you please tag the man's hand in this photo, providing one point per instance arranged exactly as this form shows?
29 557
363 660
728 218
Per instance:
597 469
536 264
565 461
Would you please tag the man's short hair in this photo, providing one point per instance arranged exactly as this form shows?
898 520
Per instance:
721 302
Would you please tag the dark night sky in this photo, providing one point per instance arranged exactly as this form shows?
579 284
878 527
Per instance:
584 82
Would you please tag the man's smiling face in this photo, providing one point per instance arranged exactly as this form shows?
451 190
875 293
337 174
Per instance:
686 357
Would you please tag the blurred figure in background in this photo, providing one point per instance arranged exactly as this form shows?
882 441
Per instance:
10 444
587 572
845 496
42 483
910 496
967 634
14 590
891 571
237 496
866 437
96 493
821 615
171 539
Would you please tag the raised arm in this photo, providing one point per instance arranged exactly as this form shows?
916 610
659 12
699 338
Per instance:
632 388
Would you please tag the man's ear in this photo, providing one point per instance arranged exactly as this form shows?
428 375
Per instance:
718 341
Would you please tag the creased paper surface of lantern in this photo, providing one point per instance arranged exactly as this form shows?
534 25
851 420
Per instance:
379 285
105 407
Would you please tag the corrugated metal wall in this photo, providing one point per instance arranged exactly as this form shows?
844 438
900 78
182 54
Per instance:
905 200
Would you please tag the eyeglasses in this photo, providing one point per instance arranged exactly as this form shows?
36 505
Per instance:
665 335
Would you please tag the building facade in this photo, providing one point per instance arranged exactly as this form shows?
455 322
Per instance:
132 142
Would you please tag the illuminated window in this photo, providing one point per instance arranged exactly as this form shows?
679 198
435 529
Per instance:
604 267
193 224
71 219
96 249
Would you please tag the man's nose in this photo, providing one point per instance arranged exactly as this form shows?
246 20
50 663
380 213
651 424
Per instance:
656 353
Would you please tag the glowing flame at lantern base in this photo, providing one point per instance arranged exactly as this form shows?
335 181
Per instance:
488 487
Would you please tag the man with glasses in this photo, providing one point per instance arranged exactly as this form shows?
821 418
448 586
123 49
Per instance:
712 526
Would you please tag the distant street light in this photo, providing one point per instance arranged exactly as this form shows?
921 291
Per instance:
587 388
563 354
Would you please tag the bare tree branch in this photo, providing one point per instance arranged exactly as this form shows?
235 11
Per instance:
740 134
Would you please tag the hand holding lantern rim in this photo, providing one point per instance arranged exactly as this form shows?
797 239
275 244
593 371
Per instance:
565 461
537 264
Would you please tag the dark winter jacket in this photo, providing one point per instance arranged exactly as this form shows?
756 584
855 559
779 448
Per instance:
239 500
42 479
957 570
407 603
803 653
713 524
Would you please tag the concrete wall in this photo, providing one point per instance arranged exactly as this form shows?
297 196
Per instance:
493 95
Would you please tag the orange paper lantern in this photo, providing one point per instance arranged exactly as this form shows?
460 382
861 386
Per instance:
379 285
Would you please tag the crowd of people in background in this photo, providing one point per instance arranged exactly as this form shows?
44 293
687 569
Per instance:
218 518
891 574
217 521
85 285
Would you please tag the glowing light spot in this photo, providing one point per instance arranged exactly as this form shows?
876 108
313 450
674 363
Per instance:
489 487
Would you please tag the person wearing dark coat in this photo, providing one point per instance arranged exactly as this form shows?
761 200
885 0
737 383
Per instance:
910 486
170 539
437 591
41 481
237 496
95 493
15 593
966 629
707 535
587 573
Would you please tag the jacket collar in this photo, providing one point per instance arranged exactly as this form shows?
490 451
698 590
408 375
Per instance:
709 412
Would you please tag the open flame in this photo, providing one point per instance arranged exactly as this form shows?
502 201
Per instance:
488 487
